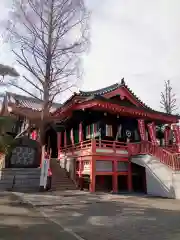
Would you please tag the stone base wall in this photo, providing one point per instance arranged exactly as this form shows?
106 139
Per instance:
20 179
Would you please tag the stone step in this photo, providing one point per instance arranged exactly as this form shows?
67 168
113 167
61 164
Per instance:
60 179
63 188
62 184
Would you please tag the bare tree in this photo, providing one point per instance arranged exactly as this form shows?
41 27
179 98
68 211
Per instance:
51 36
168 99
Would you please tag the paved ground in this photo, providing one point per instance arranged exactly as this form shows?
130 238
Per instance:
19 221
87 216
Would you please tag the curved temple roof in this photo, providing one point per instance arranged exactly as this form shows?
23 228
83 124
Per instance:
111 88
101 95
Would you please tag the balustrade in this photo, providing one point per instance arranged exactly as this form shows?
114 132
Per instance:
105 146
164 155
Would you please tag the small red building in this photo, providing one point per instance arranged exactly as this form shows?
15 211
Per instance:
100 132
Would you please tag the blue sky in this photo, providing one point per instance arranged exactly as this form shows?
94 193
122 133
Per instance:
138 40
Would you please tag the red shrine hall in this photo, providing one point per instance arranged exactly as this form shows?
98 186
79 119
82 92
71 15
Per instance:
99 132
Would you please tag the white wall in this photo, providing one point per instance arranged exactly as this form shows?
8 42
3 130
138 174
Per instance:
160 179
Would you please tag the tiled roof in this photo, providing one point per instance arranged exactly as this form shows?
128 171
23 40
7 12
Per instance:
28 102
111 88
101 91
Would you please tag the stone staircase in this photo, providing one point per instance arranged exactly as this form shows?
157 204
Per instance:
60 179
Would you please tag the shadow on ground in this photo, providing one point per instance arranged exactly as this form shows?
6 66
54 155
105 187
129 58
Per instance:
39 231
21 222
92 217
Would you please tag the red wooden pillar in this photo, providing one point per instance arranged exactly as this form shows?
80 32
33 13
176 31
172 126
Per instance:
80 132
59 135
65 139
92 186
72 136
115 176
129 177
80 173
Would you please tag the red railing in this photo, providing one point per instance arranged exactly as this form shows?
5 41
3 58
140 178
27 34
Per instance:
110 144
78 146
97 143
166 157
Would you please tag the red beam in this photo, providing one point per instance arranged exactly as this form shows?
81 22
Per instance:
115 108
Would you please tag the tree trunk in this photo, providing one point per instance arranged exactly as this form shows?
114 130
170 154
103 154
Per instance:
45 109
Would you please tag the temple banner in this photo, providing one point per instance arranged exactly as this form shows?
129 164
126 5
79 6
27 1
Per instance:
72 136
176 131
166 135
142 130
94 130
88 132
119 132
152 133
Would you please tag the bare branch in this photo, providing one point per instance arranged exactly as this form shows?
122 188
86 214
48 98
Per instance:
168 99
52 35
12 83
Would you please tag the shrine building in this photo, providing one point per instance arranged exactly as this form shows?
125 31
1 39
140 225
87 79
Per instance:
109 140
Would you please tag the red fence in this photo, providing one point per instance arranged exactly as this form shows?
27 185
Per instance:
97 143
166 157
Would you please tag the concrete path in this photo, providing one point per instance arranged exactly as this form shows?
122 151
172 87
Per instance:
21 221
112 217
